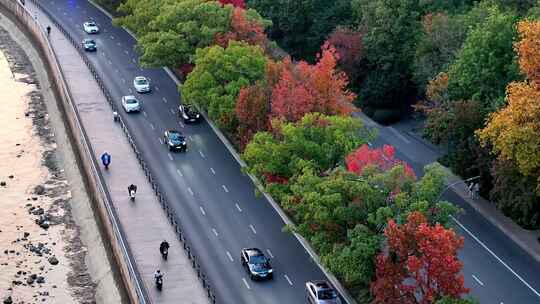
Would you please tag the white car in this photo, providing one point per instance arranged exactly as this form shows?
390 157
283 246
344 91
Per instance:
90 27
141 84
131 104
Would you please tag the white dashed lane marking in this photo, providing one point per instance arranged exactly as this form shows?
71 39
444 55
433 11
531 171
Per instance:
246 283
179 172
253 229
238 207
200 152
170 156
190 191
478 280
213 171
202 210
214 231
230 256
270 253
225 188
288 280
164 100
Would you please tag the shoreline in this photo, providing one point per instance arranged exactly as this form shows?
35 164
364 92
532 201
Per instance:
54 205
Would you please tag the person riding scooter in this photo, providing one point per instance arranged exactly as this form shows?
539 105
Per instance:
132 189
158 277
164 249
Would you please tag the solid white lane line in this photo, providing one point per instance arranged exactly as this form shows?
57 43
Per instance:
179 172
225 188
200 152
160 140
152 126
170 156
190 191
496 257
202 210
214 231
212 170
238 207
288 280
245 283
230 256
270 253
164 100
144 113
253 229
477 280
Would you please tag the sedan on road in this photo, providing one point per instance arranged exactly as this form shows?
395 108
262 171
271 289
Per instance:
256 264
189 113
141 84
131 104
320 292
90 27
175 140
89 45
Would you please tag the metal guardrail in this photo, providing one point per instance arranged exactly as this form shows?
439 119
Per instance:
163 202
33 25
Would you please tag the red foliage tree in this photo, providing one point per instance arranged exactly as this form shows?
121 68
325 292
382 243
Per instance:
242 29
421 265
349 47
305 88
235 3
382 159
252 109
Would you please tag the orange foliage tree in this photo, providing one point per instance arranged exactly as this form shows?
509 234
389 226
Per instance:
528 49
243 29
305 88
421 264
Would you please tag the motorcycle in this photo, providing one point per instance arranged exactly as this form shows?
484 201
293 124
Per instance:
159 282
132 195
164 253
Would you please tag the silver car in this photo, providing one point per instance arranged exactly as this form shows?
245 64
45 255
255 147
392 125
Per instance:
320 292
141 84
131 104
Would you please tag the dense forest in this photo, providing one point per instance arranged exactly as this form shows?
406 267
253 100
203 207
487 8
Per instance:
281 77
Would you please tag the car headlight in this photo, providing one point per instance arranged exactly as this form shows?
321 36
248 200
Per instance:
197 116
270 270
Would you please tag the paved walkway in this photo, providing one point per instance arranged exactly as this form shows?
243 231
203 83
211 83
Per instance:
144 222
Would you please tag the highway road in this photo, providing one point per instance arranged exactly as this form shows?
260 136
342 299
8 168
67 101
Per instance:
217 206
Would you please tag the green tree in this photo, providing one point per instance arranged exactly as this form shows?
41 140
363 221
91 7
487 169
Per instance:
450 300
219 75
180 29
300 27
486 64
392 30
136 15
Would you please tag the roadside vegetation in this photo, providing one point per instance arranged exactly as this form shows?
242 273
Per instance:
469 68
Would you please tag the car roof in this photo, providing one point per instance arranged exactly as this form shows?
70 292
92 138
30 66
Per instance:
129 97
88 40
253 251
173 131
140 78
321 285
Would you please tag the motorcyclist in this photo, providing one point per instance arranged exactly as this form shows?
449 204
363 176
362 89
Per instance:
106 160
158 278
163 246
133 188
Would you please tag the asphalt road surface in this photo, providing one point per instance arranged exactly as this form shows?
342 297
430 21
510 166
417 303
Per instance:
217 206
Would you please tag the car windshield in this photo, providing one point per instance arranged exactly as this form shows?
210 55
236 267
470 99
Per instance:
327 294
89 42
91 23
257 259
141 81
131 101
190 110
176 137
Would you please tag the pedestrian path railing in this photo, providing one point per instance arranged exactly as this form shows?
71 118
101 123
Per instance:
173 219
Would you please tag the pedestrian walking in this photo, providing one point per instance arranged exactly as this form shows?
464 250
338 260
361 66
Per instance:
48 30
106 160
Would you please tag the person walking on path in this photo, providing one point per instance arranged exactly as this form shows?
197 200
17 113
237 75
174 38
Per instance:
106 160
48 30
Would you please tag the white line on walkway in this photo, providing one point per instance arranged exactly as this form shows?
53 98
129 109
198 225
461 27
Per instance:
288 280
477 280
170 156
190 191
160 140
179 172
230 256
496 257
152 126
238 207
172 111
253 229
214 231
225 188
246 283
212 170
144 113
200 152
399 135
202 210
270 253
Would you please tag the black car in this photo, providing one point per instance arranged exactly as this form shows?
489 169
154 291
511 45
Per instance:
89 45
256 264
189 113
175 140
